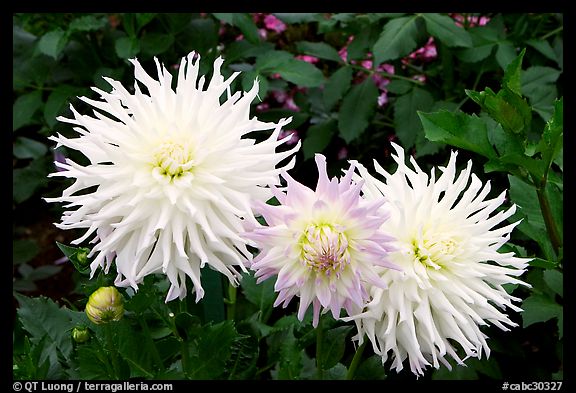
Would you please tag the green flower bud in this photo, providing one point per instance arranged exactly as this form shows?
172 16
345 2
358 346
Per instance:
105 305
80 334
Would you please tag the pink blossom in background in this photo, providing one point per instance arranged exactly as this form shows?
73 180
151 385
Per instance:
263 33
308 58
264 106
367 63
280 96
294 137
420 78
274 24
342 153
290 104
343 52
426 53
240 37
383 98
473 21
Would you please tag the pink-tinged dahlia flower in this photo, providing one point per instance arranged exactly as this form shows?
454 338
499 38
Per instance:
452 275
325 246
174 175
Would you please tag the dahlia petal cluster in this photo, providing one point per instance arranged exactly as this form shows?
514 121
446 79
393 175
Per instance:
447 237
324 245
170 177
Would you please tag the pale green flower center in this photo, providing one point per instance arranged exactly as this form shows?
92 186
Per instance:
173 159
434 253
324 249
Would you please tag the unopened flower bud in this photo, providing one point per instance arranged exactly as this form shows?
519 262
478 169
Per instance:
105 305
80 334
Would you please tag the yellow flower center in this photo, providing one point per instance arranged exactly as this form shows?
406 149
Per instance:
434 253
172 159
324 249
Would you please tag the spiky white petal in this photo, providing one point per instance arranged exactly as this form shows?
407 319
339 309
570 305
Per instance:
447 241
175 176
323 245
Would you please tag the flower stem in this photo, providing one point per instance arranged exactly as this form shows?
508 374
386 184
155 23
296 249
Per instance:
355 361
548 219
319 339
231 302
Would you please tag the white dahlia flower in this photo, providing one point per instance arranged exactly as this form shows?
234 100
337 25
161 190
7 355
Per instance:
323 245
452 273
174 175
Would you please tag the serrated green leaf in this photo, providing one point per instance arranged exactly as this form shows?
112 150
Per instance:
78 256
371 369
52 43
408 126
488 367
513 74
338 83
28 148
262 295
445 29
318 137
244 357
508 109
213 351
336 373
24 109
319 49
290 363
399 87
156 43
539 308
505 53
484 39
397 39
458 129
333 346
551 144
357 109
543 263
555 280
269 61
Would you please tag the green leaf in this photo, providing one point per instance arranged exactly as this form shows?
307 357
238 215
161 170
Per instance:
484 39
535 77
406 121
243 21
143 18
57 102
333 346
319 49
543 263
551 144
28 148
357 109
318 137
505 54
52 43
513 73
399 87
78 256
300 17
26 181
290 362
488 367
336 373
458 129
539 308
542 100
200 34
506 107
41 317
248 79
88 23
338 83
544 48
244 358
93 364
525 197
555 280
24 251
261 295
397 39
127 47
300 73
457 373
269 61
213 351
24 109
156 43
445 29
371 369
